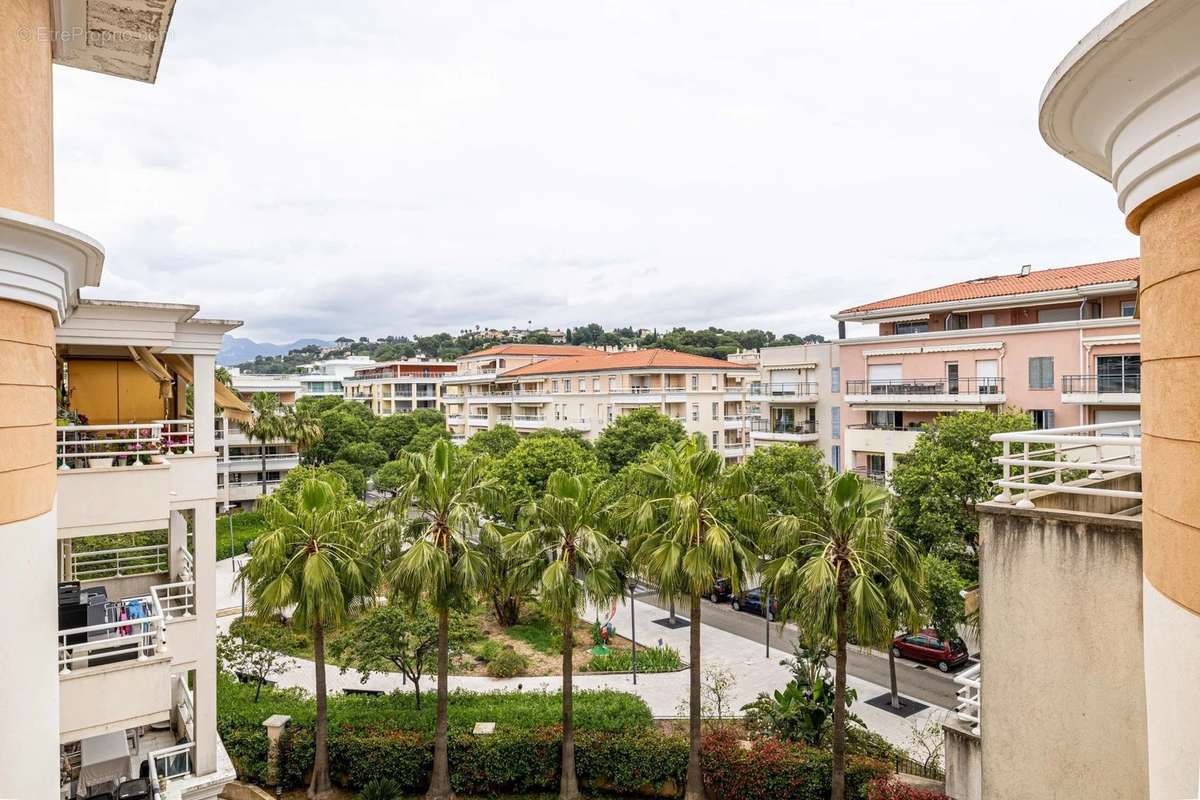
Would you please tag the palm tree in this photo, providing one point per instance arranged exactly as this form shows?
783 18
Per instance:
835 562
303 427
266 424
578 564
311 558
428 541
681 544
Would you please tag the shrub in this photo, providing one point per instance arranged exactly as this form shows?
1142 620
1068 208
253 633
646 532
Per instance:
892 788
650 659
381 789
271 632
507 664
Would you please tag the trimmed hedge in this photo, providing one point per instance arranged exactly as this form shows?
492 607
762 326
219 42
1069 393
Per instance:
776 769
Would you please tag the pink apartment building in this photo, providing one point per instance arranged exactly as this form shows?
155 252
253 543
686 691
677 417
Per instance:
1061 344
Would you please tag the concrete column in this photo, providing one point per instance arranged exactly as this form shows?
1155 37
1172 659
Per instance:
28 522
203 401
176 541
204 541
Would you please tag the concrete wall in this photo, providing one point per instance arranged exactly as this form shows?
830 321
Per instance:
964 762
1063 695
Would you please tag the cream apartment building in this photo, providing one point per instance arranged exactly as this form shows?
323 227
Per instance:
80 692
397 387
563 388
1062 344
241 475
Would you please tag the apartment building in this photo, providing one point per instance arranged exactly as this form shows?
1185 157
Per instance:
1062 344
795 397
242 478
324 378
396 387
557 387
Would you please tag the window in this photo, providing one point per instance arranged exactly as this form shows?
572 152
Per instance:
887 420
1118 374
835 457
989 320
554 386
595 384
987 376
695 383
612 383
695 412
716 410
1043 418
835 376
1128 307
1058 314
956 322
912 326
715 381
557 413
1093 310
952 377
599 410
583 384
835 419
608 412
1041 372
581 412
714 438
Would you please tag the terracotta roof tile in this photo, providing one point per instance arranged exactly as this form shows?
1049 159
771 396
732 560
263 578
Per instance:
1042 280
518 349
636 359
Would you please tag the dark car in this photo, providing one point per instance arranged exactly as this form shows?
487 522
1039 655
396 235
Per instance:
927 647
722 590
753 601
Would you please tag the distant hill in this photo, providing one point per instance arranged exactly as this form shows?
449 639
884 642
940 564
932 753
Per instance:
235 350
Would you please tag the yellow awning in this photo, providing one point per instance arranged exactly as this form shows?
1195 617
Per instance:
233 406
151 366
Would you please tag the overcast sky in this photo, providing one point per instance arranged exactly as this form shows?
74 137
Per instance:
386 167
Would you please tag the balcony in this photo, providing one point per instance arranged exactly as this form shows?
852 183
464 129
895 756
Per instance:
477 420
113 478
968 710
801 392
638 395
765 430
875 475
276 462
455 419
1122 390
528 421
885 439
926 392
250 490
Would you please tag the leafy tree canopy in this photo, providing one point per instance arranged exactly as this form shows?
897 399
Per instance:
356 481
391 476
632 435
367 456
340 426
393 432
495 442
289 487
526 468
773 470
424 439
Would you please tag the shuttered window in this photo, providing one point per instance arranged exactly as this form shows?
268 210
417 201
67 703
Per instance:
1041 372
835 417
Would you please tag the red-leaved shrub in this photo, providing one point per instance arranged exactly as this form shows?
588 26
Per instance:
894 789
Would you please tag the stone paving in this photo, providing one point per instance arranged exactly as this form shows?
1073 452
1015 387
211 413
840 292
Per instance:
663 692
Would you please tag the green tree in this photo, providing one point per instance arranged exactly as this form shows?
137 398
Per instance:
428 418
682 545
428 540
257 659
393 432
948 470
511 576
632 435
318 404
526 468
341 426
944 608
289 488
391 477
303 427
356 481
311 561
577 561
772 470
424 439
367 456
400 637
834 562
495 442
266 424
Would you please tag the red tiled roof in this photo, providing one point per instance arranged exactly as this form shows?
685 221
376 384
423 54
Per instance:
635 359
519 349
1042 280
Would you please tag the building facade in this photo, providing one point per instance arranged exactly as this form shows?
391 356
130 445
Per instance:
244 475
397 387
324 378
1061 344
795 397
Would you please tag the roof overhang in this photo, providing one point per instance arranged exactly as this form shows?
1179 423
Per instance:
1077 293
158 327
123 38
1125 102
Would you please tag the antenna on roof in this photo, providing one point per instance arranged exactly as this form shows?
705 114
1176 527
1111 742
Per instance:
1025 268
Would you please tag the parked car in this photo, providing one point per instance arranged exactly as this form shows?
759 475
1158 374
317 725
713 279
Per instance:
722 590
752 601
925 646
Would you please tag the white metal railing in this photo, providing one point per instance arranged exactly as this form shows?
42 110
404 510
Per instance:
1043 457
171 762
112 641
530 417
176 434
175 600
119 562
187 564
970 685
108 445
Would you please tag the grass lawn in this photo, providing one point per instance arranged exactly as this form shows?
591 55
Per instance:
247 526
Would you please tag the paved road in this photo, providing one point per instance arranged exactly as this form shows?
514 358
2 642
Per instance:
913 680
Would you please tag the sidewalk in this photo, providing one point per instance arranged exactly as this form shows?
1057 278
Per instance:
663 692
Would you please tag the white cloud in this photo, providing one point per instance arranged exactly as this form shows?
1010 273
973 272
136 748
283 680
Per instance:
408 167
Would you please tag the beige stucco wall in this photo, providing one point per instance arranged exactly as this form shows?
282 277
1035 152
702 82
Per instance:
26 411
1063 688
26 159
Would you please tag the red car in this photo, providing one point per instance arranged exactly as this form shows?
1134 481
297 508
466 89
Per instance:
927 647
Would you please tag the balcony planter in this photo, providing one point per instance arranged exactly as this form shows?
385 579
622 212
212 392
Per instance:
100 461
157 459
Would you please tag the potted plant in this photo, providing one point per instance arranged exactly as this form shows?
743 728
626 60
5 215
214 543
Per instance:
101 454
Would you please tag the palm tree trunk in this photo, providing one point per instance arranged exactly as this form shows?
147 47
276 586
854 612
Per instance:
319 785
568 787
892 675
838 787
695 778
439 782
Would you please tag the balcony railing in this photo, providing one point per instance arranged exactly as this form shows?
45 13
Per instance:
784 426
1102 384
122 562
879 476
175 600
1052 460
171 762
969 706
926 386
529 417
873 426
108 642
798 389
109 445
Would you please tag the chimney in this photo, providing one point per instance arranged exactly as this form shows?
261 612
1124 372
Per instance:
1025 270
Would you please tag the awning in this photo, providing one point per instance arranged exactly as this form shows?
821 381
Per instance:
234 407
152 367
